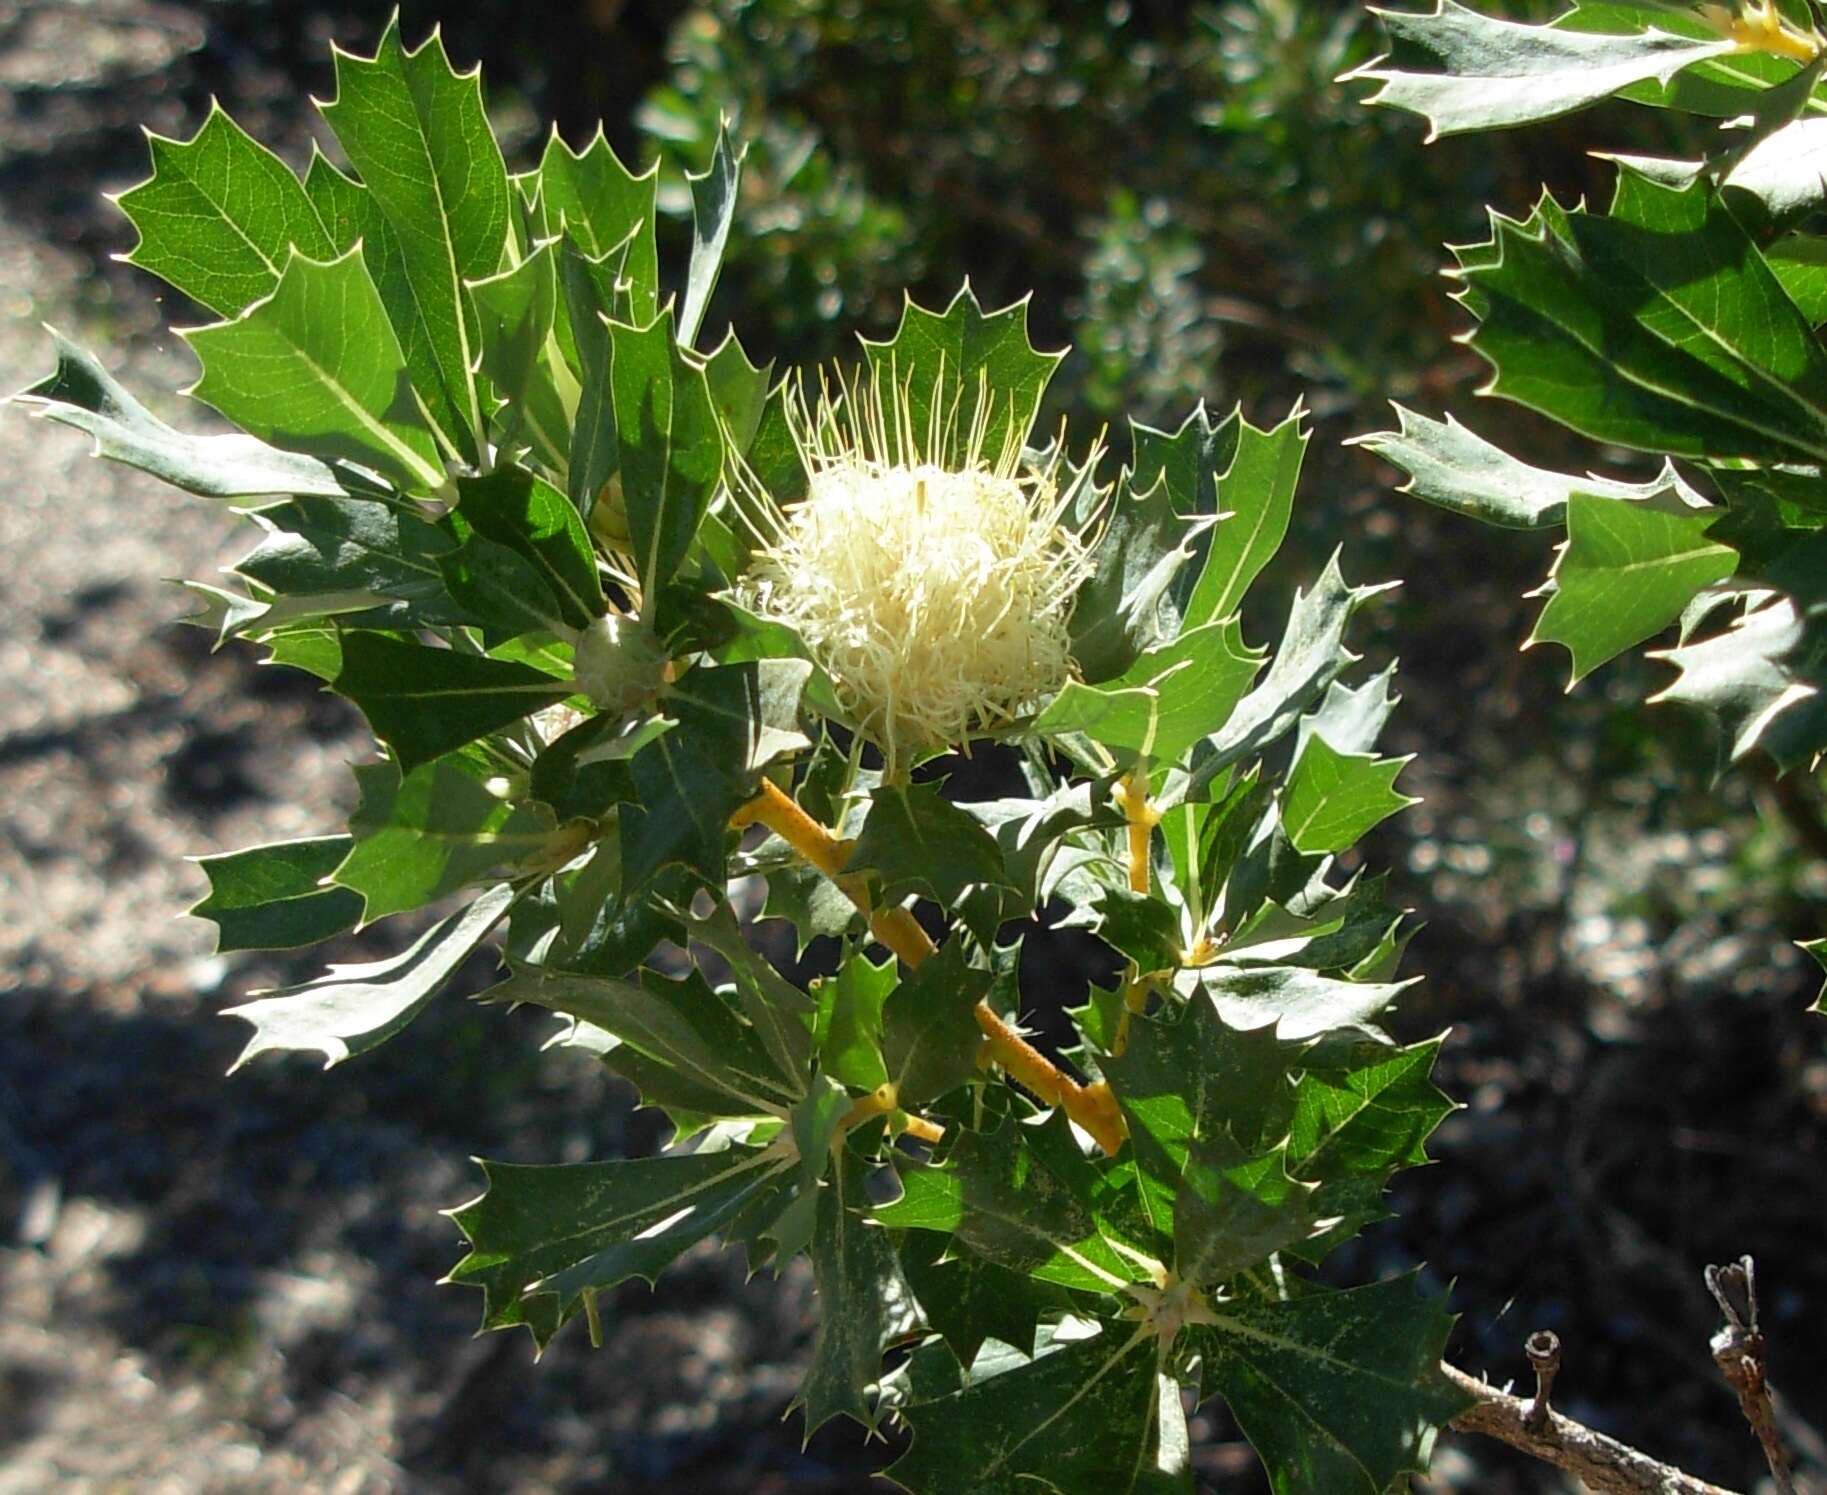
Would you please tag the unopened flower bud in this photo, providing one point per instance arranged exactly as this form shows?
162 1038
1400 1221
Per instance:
620 663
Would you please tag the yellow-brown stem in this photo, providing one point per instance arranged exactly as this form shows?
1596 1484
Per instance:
1132 795
894 927
1092 1108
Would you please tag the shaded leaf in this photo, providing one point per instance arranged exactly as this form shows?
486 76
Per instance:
273 897
353 1008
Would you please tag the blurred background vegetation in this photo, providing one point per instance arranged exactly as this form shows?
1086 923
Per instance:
1201 213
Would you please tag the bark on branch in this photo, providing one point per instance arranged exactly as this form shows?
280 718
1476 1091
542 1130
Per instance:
1606 1465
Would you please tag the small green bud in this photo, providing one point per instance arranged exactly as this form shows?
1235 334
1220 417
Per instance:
620 663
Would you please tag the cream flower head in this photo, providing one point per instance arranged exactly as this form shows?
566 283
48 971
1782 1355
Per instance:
932 580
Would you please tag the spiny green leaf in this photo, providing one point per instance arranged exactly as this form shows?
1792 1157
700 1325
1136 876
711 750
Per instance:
1625 574
944 359
316 368
1338 1392
1464 71
1333 798
1092 1418
1818 949
1124 606
1764 676
352 1008
416 131
776 1009
1255 499
1657 326
1297 1003
850 1022
517 509
430 833
713 208
998 1197
79 392
1311 656
324 544
515 314
423 702
917 841
594 452
541 1236
1459 470
968 1300
1170 697
1196 1077
695 1033
274 898
220 216
863 1300
671 452
604 207
353 217
930 1039
1232 1211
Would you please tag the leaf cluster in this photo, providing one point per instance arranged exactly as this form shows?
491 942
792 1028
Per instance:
483 453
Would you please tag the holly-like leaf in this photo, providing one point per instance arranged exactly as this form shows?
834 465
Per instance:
1351 718
424 702
713 208
220 216
604 207
352 217
440 827
1459 470
515 314
543 1236
1124 606
1311 656
274 898
1232 1212
315 368
1255 499
1009 1206
352 1008
1762 676
327 545
1296 1003
968 1300
1359 1117
1092 1418
1626 573
523 512
775 1008
79 392
1338 1392
1333 798
694 1034
588 304
863 1300
1198 1078
671 452
850 1021
415 130
1464 71
1169 698
943 359
930 1039
917 841
1657 326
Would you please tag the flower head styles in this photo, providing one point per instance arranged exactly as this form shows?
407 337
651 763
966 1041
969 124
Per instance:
931 579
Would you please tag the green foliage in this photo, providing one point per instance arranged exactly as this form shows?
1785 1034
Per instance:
1678 322
507 512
